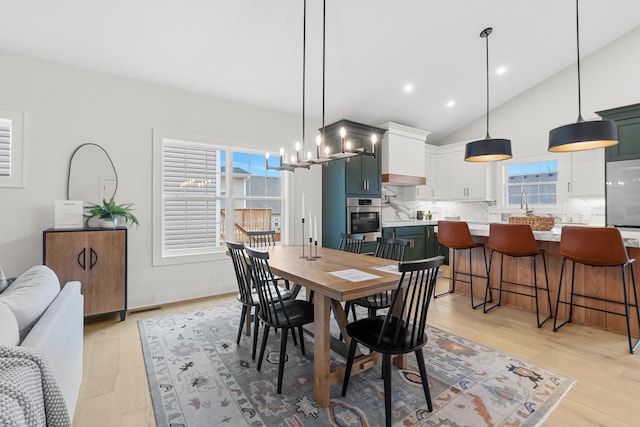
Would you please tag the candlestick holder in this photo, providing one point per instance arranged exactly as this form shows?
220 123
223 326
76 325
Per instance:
311 258
303 256
315 243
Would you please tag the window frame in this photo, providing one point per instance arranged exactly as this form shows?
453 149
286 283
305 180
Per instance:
563 169
159 256
17 147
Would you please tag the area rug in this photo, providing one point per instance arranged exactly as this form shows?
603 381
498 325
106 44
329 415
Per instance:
198 376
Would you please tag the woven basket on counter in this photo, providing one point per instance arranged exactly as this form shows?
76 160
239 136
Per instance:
537 223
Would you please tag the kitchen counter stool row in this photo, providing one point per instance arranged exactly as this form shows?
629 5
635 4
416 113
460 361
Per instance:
579 246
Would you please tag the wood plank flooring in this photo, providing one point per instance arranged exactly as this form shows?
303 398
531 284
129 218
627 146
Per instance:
114 389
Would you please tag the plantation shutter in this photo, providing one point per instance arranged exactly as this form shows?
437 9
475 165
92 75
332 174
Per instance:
190 204
5 148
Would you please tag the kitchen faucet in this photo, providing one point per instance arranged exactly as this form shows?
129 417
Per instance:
523 202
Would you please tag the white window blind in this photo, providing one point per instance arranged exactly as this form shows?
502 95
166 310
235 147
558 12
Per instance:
191 201
5 147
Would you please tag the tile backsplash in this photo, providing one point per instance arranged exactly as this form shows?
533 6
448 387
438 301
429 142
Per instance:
399 204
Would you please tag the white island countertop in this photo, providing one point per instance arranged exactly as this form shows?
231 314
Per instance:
631 239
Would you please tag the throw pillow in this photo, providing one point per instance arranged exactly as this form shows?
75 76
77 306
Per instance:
30 295
3 281
9 333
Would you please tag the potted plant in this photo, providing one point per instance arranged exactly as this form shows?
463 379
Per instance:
108 212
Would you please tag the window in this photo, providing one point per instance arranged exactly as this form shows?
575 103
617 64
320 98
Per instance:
191 199
11 147
200 204
256 194
539 180
5 147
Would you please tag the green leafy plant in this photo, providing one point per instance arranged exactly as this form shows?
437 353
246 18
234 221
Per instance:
110 211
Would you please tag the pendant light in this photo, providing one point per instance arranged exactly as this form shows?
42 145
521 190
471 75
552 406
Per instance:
582 135
487 149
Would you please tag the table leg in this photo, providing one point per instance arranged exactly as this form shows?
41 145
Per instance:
321 368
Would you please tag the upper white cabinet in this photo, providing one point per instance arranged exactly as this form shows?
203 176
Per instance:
587 174
402 154
460 180
430 190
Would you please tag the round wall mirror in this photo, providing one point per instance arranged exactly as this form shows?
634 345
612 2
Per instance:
91 176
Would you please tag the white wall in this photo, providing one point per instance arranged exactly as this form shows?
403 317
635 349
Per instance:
67 106
610 78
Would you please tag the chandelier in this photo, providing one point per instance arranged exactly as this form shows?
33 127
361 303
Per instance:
323 153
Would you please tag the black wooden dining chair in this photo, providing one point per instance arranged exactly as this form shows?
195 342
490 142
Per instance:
275 311
388 248
351 242
263 239
402 329
247 295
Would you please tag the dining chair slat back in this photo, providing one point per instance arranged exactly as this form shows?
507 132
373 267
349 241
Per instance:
262 238
275 311
388 248
402 329
351 242
391 248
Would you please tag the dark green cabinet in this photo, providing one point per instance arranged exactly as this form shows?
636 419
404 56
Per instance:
359 176
362 174
431 241
415 235
424 241
628 120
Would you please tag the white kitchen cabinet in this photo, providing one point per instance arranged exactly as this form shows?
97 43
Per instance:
402 151
460 180
587 174
430 190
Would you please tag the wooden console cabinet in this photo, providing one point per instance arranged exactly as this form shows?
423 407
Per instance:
97 258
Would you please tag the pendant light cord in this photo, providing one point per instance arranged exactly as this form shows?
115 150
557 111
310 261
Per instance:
324 19
304 68
487 51
580 119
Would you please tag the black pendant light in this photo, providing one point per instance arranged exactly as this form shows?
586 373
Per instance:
487 149
582 135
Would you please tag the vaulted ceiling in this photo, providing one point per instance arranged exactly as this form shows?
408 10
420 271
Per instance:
251 50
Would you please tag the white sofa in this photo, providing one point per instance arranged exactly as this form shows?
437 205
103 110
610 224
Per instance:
50 319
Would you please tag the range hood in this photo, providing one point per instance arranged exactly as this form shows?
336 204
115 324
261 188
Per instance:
403 155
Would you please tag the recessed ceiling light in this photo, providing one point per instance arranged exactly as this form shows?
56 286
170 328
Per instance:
408 88
501 70
451 103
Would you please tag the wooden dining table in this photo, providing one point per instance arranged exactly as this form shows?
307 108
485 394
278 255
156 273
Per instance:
329 291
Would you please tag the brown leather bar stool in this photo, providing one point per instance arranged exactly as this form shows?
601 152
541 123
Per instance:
517 240
597 247
456 235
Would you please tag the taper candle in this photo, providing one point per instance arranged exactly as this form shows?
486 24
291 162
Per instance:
315 228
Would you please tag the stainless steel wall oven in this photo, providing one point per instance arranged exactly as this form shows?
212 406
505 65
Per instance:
364 216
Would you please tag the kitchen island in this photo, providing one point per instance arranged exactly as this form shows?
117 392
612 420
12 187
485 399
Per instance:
596 281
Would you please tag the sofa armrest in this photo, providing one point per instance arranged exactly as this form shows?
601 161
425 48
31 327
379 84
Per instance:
58 334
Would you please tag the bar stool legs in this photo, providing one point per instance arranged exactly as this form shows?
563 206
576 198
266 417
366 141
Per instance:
535 286
452 272
632 346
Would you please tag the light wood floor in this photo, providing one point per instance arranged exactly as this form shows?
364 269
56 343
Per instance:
114 389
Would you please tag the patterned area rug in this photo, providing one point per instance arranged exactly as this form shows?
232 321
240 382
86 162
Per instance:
198 376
